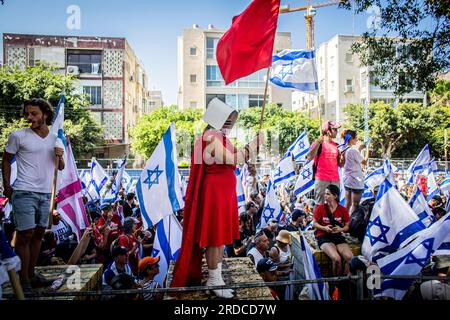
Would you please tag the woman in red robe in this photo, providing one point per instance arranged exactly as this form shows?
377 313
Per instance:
211 210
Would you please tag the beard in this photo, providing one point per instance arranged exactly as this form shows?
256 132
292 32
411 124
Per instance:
37 124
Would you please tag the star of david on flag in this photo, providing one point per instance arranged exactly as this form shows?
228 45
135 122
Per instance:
295 69
412 258
158 188
300 148
284 170
304 183
421 208
272 207
97 183
392 223
420 164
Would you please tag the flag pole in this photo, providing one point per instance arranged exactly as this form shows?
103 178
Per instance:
261 120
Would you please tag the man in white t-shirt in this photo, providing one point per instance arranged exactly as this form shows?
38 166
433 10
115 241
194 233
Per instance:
35 152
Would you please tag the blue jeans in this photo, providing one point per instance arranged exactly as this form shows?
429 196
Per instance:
30 209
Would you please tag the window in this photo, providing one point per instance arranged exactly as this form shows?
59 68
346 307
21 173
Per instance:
331 61
209 97
256 100
363 80
214 77
349 85
332 85
349 57
211 45
193 78
193 104
94 94
86 61
193 51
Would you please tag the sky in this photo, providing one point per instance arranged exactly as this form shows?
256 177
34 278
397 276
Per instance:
152 26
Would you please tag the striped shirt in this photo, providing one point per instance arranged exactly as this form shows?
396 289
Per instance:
152 284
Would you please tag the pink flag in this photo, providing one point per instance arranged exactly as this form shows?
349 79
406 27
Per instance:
70 198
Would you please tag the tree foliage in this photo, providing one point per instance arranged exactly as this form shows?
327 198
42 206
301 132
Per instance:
420 51
44 82
150 128
287 124
401 131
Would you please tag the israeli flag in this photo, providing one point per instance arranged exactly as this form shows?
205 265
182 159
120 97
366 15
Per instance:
84 178
392 223
99 178
300 147
421 208
304 183
341 187
420 164
319 290
126 181
167 245
240 188
158 188
376 177
445 184
412 258
57 129
295 69
284 170
12 179
367 194
58 125
111 194
272 207
432 186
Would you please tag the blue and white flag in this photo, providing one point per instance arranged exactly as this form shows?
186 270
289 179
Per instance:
432 186
272 207
445 184
341 187
295 69
12 179
240 188
167 245
158 188
420 164
421 208
367 194
319 290
284 170
111 194
392 224
376 177
300 147
97 183
304 183
412 258
57 129
84 178
127 182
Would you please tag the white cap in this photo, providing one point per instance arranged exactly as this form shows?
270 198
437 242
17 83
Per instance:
217 113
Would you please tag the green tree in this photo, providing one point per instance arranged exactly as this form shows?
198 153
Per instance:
150 128
43 82
419 52
399 132
288 124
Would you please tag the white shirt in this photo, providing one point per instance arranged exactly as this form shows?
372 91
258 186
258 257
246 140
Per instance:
35 158
353 174
255 254
61 231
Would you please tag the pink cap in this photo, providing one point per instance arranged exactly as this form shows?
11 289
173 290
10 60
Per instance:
327 125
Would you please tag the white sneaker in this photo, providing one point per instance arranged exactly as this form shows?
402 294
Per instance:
214 280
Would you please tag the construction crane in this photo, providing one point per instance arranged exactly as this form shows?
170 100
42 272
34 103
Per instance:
309 17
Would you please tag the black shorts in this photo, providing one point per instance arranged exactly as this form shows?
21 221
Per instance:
357 191
335 239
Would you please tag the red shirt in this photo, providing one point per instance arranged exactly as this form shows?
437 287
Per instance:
327 163
340 215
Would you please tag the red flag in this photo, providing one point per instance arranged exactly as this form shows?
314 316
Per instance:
248 45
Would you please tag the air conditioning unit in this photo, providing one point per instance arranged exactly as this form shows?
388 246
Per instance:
73 70
348 88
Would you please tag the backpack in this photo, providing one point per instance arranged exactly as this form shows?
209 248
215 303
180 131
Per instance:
359 221
316 160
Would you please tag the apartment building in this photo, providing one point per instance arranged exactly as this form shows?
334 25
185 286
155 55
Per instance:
200 80
107 70
342 81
